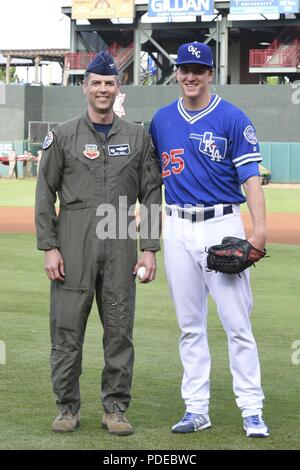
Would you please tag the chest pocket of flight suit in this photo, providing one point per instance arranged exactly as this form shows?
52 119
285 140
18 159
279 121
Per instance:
123 175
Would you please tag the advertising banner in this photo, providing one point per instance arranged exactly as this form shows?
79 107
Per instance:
97 9
169 8
246 7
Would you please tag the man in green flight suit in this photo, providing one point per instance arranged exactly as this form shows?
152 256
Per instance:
98 165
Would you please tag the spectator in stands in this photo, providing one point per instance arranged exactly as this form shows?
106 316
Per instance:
28 166
24 159
12 159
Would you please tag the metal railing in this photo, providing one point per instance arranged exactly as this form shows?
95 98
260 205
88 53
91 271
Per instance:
280 56
80 60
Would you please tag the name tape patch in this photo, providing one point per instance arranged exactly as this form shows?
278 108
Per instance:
119 150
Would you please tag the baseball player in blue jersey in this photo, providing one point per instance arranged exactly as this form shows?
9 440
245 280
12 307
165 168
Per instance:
208 149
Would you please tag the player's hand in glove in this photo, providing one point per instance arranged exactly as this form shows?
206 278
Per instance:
233 255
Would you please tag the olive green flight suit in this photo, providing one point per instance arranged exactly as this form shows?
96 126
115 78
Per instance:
125 165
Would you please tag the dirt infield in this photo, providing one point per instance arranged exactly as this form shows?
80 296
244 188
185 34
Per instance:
16 220
282 227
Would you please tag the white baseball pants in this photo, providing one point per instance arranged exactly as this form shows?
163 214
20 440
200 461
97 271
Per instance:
190 283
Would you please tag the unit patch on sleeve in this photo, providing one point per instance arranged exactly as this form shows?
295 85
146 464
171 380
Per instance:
119 150
250 135
48 140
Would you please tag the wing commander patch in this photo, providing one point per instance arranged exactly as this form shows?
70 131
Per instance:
91 151
48 140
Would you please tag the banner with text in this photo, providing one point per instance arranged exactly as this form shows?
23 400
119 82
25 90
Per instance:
169 8
246 7
97 9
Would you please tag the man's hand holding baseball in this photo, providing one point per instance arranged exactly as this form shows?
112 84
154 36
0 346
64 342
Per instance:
148 260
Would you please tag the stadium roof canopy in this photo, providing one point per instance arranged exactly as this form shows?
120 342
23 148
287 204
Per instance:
15 62
56 55
28 57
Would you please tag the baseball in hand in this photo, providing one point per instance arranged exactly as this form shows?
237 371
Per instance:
141 273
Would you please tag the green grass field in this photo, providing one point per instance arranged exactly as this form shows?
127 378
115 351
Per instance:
21 193
18 193
27 404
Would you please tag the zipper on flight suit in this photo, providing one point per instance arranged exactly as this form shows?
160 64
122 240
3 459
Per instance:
104 170
102 145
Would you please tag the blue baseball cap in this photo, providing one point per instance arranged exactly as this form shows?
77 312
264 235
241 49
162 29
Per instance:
195 53
103 64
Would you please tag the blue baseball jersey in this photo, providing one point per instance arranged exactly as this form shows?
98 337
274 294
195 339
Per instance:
205 155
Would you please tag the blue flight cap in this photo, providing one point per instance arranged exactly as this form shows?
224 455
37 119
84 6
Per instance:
195 53
103 64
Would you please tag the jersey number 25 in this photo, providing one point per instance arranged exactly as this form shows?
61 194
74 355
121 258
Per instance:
173 161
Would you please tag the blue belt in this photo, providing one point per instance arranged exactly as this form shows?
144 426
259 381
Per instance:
198 216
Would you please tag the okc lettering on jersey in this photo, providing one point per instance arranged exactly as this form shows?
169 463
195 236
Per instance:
212 146
173 161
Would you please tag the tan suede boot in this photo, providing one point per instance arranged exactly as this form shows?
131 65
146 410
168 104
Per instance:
116 424
66 422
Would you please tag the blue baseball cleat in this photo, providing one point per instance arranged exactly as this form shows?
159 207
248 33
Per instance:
255 426
192 422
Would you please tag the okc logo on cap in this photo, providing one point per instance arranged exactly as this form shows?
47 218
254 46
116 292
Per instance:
195 53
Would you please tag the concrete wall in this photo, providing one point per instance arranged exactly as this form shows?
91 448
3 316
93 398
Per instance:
271 108
62 103
33 106
12 111
274 110
283 159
